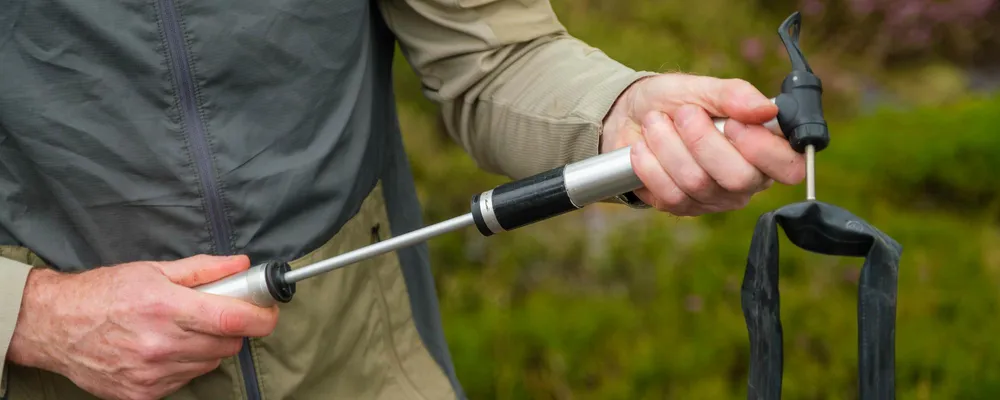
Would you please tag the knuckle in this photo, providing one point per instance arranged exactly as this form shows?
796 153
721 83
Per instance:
153 303
231 322
661 205
655 126
696 141
142 382
742 180
211 366
675 199
695 180
737 85
158 308
669 200
738 202
233 346
153 348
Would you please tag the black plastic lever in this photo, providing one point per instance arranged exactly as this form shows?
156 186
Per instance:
800 103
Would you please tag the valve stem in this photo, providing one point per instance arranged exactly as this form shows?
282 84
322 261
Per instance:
810 172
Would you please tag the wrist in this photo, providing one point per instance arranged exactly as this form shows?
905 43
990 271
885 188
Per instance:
29 345
619 117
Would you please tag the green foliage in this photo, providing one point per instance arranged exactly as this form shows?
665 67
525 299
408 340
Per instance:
610 303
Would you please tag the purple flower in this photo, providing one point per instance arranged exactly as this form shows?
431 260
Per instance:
812 7
752 49
918 36
862 7
693 303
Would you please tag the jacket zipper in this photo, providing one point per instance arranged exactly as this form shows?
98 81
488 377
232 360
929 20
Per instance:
198 142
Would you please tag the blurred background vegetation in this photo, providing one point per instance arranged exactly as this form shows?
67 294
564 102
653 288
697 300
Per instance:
611 303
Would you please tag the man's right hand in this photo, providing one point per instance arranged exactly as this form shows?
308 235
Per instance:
136 330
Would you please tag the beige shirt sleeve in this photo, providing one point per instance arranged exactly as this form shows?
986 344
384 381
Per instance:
515 89
13 276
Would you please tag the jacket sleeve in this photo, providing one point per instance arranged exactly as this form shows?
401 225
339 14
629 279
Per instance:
516 91
13 276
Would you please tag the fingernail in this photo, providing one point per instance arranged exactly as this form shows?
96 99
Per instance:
758 102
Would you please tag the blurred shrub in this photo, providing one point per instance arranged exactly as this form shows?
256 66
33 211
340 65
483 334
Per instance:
942 158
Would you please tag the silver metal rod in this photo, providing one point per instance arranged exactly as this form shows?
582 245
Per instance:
810 172
772 125
391 244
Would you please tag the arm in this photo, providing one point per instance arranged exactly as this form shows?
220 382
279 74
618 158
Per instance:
516 91
523 96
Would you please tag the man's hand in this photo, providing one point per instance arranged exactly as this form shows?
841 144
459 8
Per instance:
134 331
688 167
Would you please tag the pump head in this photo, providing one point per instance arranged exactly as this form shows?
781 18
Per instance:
800 103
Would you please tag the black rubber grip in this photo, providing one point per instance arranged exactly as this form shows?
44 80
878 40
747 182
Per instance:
279 288
526 201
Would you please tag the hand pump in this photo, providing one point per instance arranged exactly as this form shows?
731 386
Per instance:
554 192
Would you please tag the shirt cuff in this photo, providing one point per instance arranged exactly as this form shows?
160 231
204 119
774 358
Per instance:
13 277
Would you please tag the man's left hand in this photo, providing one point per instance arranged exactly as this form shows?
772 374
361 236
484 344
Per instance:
688 167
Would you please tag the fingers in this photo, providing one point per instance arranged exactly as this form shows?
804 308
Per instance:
223 316
715 154
686 165
676 159
771 154
659 189
186 371
202 269
199 368
201 348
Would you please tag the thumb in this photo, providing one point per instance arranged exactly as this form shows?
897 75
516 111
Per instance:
202 269
733 98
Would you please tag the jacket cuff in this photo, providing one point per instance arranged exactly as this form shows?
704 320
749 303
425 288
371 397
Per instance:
578 136
596 102
544 110
13 277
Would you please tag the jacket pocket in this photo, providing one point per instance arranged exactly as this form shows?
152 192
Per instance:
419 375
